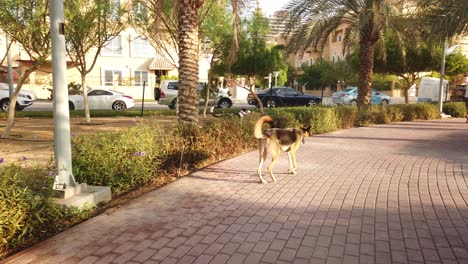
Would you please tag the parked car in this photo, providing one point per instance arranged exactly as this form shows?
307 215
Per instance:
349 97
102 99
166 94
283 96
24 99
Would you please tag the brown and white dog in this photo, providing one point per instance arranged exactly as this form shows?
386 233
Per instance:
275 140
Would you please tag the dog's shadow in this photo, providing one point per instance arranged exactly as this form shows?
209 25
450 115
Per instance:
224 179
226 175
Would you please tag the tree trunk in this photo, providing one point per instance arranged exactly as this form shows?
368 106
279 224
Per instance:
188 97
85 98
11 110
366 70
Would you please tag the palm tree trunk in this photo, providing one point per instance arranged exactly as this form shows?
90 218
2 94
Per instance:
366 70
188 97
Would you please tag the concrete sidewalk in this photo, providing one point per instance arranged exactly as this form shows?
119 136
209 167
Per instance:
392 193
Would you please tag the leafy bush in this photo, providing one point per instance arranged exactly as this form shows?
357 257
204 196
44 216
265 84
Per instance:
455 109
27 211
127 159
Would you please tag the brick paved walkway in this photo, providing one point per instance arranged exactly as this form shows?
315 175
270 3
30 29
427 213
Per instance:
385 194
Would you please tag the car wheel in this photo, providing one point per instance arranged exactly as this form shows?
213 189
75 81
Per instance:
5 105
173 104
270 103
353 103
311 103
19 108
384 102
71 106
119 106
224 103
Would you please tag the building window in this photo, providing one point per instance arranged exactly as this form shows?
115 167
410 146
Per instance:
298 63
112 77
141 48
140 77
113 47
338 36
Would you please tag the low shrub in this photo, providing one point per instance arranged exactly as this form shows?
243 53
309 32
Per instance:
27 211
455 109
128 159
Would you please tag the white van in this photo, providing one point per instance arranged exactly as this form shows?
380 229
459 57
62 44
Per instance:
429 89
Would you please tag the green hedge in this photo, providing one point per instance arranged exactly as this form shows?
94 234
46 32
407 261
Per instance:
455 109
129 159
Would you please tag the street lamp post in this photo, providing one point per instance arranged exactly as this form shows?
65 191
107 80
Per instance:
63 164
445 51
442 72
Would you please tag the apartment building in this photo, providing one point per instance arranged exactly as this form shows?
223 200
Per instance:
124 64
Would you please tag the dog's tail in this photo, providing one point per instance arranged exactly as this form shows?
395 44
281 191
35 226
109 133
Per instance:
258 126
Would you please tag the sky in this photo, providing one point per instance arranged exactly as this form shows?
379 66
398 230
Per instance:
270 6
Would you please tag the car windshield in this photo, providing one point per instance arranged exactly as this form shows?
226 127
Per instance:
347 90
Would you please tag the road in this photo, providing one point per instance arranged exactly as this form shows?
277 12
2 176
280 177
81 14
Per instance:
47 106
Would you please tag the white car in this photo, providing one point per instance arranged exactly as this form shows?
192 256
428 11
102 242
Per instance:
24 99
167 94
102 99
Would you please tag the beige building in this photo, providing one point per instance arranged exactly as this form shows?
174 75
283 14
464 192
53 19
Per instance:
124 65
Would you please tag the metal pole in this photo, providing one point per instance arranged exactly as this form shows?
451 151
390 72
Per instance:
10 70
62 149
442 72
143 100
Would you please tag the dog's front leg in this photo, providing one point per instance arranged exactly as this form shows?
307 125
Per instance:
291 169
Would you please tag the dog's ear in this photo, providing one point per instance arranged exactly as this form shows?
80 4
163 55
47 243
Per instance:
305 133
306 129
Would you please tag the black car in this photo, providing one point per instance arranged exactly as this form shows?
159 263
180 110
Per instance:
283 96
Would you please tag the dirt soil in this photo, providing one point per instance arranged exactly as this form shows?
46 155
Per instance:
32 138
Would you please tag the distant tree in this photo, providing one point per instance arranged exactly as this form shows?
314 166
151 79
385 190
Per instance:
90 26
26 23
405 59
313 22
216 34
456 64
324 74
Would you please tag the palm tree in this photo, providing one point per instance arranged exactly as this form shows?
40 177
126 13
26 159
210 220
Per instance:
186 28
312 22
443 19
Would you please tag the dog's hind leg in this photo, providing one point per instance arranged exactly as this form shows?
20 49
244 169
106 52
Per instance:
261 158
292 167
274 158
